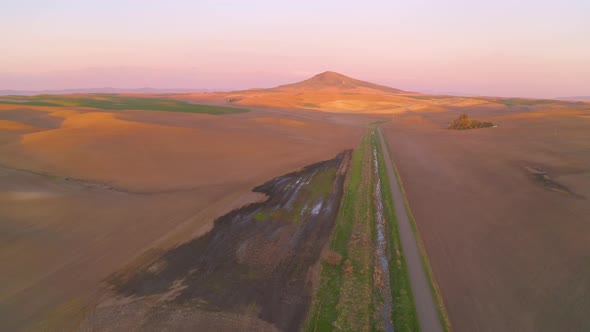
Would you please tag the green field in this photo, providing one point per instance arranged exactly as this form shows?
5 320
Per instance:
347 295
520 101
428 97
117 103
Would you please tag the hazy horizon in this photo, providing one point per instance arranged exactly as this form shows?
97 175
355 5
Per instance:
459 47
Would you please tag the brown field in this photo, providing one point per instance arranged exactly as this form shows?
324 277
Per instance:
509 248
93 199
84 192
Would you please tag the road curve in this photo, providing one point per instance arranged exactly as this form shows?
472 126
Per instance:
423 297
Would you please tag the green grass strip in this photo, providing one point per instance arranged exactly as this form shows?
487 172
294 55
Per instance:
324 311
119 103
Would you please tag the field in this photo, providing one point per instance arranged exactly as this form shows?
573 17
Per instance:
87 191
118 102
508 247
272 209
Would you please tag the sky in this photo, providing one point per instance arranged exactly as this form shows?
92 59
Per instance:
497 48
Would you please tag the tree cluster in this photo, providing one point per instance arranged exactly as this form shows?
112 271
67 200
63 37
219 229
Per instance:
464 122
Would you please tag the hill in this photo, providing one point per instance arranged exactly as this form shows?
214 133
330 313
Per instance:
333 92
328 92
330 80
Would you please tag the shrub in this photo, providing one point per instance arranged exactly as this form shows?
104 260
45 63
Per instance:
464 122
332 257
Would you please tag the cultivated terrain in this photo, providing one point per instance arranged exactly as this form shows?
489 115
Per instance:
247 210
86 190
504 214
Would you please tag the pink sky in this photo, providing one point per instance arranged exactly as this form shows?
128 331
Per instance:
531 48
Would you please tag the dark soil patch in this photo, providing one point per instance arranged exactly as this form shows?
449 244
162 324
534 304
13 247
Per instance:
256 260
542 177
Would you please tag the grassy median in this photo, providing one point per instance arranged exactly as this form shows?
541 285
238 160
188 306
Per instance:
347 295
344 298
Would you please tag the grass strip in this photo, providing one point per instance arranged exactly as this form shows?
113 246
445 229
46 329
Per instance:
118 102
343 300
346 296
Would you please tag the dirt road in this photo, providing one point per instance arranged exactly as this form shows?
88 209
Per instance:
425 304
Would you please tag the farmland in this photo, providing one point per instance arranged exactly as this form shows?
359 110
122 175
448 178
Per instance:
275 209
117 103
87 192
506 248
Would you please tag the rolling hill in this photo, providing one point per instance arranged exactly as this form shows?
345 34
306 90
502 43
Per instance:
333 92
334 82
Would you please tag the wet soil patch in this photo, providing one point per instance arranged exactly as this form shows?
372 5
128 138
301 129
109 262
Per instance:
257 260
541 176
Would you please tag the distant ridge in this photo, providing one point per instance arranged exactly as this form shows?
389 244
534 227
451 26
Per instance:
97 90
575 98
336 81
